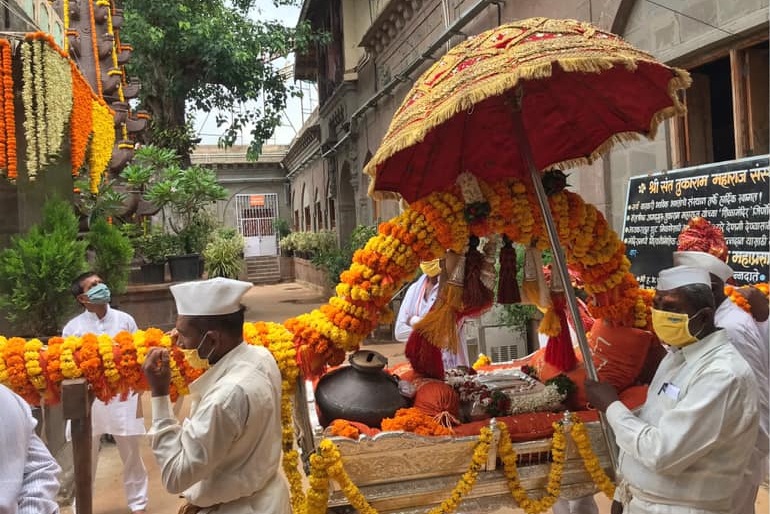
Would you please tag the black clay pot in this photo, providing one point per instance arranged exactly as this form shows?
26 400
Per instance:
184 267
154 273
361 392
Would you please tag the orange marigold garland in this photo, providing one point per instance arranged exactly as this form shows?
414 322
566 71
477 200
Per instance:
414 420
81 119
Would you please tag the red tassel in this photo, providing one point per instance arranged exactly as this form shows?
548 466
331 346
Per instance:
424 357
507 285
559 352
476 296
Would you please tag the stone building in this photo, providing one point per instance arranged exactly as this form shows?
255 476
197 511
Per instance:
379 48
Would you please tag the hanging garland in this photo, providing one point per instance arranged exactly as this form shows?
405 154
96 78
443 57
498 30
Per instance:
95 49
111 31
102 143
438 222
8 162
47 98
81 120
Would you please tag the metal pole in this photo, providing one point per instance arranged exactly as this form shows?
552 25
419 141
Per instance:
561 263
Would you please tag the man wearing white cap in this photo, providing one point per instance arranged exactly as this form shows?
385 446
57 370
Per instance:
744 333
686 449
225 457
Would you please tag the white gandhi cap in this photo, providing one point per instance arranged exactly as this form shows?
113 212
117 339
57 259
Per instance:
678 276
213 297
706 261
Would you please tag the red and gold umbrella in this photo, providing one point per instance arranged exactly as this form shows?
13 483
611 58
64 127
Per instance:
583 90
518 99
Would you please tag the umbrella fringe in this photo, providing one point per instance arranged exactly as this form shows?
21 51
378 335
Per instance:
508 82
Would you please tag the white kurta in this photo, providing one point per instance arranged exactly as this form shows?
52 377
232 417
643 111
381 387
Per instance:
28 473
415 304
686 450
117 417
228 452
745 335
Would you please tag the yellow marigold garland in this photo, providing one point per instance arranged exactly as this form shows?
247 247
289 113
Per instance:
591 462
553 487
32 364
102 142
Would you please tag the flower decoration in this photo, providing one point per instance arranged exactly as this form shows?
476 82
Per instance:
81 119
7 113
102 143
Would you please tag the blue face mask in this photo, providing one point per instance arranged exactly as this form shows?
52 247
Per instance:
99 294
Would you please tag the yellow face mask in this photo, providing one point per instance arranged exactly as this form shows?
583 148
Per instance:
672 328
431 268
194 358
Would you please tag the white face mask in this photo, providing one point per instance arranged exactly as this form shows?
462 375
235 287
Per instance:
194 358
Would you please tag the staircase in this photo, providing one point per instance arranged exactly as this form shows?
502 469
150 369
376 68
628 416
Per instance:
263 270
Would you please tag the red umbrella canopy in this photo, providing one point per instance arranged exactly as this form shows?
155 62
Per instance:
580 90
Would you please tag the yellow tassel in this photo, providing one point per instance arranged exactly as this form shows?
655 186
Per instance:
439 326
550 324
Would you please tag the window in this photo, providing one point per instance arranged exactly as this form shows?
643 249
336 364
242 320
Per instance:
308 220
296 220
319 216
727 108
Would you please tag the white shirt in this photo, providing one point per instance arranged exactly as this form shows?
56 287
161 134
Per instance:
28 472
116 417
693 436
745 335
229 450
415 304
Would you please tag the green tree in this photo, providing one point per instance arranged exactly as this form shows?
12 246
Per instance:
211 55
113 254
37 269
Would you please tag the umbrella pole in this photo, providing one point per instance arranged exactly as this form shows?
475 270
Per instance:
561 263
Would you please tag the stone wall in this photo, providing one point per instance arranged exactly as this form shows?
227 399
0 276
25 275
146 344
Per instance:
151 305
308 274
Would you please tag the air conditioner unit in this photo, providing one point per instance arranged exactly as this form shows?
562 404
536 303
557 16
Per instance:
501 343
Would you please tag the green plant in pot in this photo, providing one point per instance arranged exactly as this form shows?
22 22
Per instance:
36 271
184 195
155 247
223 255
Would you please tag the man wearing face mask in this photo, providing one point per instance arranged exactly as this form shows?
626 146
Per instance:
685 451
418 300
225 457
119 418
744 333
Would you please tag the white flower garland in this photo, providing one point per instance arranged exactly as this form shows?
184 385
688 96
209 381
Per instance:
41 113
58 97
28 99
472 388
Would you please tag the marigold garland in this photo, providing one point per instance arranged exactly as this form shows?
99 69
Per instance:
102 143
737 298
95 48
436 223
414 420
553 486
81 119
591 462
9 111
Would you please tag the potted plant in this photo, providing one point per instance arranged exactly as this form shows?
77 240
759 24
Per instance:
223 255
184 194
37 269
155 247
